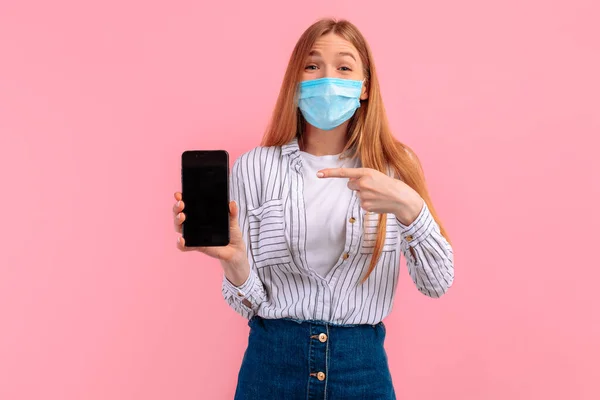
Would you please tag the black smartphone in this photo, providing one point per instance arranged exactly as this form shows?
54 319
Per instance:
205 192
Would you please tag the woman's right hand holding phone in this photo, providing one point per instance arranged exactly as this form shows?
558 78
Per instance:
233 256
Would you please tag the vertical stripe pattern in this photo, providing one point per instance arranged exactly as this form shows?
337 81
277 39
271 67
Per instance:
267 184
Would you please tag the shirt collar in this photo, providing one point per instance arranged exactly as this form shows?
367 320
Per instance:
291 147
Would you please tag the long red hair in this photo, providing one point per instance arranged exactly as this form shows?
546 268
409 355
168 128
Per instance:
369 134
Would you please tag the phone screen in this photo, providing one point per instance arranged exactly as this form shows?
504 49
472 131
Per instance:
205 192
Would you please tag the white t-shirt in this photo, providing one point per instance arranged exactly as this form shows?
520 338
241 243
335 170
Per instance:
326 201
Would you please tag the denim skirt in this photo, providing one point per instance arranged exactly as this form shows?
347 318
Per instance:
288 359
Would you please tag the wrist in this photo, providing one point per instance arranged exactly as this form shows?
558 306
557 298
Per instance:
407 213
236 271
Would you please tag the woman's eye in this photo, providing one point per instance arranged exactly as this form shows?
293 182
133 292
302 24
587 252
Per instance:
311 67
345 69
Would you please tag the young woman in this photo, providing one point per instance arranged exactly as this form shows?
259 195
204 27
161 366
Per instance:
320 215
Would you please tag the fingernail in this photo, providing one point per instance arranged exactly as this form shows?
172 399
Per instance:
320 174
179 240
179 203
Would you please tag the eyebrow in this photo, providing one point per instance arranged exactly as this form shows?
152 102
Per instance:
316 53
348 54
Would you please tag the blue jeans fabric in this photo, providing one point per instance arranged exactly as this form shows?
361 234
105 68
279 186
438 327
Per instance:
284 358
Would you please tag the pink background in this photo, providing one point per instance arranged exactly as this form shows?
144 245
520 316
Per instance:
500 100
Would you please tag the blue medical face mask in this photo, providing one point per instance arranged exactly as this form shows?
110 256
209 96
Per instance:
329 102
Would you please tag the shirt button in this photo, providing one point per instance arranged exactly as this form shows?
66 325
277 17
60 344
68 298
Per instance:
240 294
345 256
352 220
322 338
409 238
247 303
321 376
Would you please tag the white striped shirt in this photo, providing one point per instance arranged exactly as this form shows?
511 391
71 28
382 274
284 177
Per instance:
267 184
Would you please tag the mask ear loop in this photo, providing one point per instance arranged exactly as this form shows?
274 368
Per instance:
364 84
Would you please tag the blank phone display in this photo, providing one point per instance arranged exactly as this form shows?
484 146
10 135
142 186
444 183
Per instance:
205 192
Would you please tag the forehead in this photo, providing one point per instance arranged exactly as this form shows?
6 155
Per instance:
332 43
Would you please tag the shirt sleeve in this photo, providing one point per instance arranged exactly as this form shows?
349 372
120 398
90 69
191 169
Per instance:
246 298
429 256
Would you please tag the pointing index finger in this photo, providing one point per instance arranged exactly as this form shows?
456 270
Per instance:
341 173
